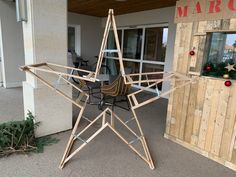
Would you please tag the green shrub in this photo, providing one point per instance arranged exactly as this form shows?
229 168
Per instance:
19 136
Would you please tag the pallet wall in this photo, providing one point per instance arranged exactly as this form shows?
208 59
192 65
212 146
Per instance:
202 116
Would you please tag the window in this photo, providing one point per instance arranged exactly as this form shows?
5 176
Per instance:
153 68
143 48
71 38
74 39
222 47
221 51
111 44
132 43
155 44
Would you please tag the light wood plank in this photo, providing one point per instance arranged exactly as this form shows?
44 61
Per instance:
183 62
205 114
220 118
184 111
190 115
232 25
186 42
202 26
214 108
230 120
195 45
174 111
199 109
169 109
232 151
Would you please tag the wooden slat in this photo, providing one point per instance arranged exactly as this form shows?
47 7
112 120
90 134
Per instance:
182 67
169 109
187 94
213 25
205 114
190 114
225 24
213 112
179 93
176 49
233 160
220 118
232 25
232 154
229 123
173 113
198 110
184 47
202 26
200 54
23 68
195 45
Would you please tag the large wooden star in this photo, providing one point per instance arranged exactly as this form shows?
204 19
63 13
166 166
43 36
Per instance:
230 67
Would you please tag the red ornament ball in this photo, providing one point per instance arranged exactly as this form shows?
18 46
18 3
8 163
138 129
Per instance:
228 83
208 67
191 53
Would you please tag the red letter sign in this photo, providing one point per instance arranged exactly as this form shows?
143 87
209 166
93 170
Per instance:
182 12
215 6
198 8
231 5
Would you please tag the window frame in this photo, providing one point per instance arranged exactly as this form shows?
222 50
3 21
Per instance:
141 61
209 34
77 37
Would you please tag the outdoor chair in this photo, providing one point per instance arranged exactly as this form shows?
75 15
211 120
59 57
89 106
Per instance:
93 88
117 89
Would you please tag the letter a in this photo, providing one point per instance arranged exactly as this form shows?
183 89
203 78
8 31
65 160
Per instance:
198 8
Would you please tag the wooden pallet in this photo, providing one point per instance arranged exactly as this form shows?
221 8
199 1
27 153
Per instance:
202 115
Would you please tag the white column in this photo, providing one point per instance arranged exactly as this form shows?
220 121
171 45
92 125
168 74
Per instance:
45 40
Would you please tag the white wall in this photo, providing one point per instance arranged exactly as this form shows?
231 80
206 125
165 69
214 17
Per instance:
12 45
45 39
1 56
91 34
156 16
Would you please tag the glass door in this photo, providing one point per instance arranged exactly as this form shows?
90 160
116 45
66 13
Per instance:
71 38
132 44
143 48
155 45
74 43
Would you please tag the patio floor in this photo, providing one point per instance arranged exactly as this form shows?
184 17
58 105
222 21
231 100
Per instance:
107 156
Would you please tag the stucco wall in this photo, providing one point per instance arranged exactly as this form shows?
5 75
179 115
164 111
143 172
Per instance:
12 45
45 40
91 34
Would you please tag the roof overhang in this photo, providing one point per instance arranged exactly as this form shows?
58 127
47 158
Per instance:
100 8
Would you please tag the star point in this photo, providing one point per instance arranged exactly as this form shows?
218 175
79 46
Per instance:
230 67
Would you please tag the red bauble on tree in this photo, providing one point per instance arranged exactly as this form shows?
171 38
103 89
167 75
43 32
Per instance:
192 53
208 67
228 83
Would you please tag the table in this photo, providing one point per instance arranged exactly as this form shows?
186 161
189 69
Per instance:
101 78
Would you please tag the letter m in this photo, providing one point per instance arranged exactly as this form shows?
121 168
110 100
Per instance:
182 11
